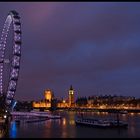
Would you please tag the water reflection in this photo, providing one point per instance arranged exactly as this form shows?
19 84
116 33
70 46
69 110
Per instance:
132 114
64 121
66 127
71 122
4 128
13 130
1 133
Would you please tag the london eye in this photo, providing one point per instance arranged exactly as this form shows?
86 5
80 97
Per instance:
10 54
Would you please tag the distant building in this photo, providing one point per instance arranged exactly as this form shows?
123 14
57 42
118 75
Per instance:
49 100
63 104
69 102
46 103
48 95
71 96
41 104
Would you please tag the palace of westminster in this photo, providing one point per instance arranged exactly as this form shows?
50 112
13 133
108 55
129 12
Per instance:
100 102
49 97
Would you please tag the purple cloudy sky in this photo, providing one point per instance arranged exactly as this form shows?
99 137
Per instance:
94 46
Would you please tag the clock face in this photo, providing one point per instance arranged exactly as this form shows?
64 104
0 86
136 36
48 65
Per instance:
71 92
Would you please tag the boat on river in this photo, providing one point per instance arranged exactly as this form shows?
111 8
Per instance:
36 114
36 120
99 123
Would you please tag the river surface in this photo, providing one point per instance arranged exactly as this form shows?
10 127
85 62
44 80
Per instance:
66 128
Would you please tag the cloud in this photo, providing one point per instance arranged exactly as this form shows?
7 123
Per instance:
94 46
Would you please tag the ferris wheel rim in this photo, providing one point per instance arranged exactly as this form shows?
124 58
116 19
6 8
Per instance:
13 19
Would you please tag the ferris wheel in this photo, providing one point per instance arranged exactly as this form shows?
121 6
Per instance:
10 54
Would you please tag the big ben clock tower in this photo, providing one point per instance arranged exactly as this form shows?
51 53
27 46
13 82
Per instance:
71 96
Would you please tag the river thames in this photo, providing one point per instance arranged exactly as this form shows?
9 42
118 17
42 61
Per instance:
66 128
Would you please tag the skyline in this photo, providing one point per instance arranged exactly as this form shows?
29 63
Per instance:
93 46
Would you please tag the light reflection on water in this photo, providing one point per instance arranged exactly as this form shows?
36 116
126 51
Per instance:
1 133
13 129
66 128
64 121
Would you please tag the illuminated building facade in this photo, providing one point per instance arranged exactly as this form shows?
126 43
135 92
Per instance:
96 102
67 103
46 103
63 104
49 97
41 104
71 96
